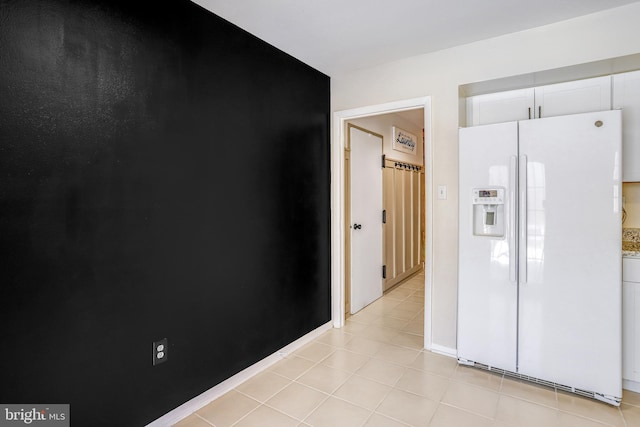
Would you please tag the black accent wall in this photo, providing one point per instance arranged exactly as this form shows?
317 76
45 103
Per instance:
162 174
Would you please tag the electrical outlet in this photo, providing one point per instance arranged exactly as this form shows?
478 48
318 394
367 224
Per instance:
160 351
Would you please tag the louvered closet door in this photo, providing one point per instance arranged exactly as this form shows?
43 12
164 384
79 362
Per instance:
389 231
399 220
403 192
415 218
408 219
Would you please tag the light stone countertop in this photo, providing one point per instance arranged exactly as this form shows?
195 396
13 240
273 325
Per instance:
631 242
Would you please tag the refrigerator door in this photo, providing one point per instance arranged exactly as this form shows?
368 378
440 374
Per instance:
570 266
487 287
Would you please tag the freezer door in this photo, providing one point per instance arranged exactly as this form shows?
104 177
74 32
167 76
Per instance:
487 289
570 267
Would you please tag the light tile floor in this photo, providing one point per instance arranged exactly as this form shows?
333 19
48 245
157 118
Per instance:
373 372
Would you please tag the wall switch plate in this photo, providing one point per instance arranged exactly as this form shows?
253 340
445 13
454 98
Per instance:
442 192
160 351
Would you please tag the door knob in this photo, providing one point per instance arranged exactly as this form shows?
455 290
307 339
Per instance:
357 226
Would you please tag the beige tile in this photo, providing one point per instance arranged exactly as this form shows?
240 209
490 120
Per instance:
590 408
631 398
566 419
414 284
528 391
478 377
415 326
396 354
297 400
399 293
362 392
471 398
408 408
381 371
315 351
378 420
411 306
292 367
631 414
382 304
435 363
364 316
379 333
424 384
193 421
391 322
354 327
409 340
364 345
265 416
335 337
335 412
264 385
228 409
346 360
520 413
324 378
416 298
448 416
401 314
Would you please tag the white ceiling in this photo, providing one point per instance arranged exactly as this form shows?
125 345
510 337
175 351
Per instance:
337 36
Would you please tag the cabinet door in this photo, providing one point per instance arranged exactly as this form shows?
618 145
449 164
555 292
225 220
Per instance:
500 107
626 96
580 96
630 331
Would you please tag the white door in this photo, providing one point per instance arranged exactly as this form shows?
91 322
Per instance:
570 259
487 283
366 218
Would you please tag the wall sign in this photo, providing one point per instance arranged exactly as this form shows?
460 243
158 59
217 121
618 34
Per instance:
404 141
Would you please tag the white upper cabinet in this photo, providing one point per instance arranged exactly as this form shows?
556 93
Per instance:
500 107
626 95
580 96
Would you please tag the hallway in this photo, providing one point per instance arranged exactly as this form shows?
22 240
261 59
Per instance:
373 372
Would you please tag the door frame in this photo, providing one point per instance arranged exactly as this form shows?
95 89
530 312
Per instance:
339 227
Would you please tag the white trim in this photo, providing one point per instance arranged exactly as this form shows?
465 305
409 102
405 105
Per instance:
631 385
445 351
337 203
229 384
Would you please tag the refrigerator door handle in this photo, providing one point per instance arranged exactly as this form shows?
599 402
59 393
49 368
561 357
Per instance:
513 254
522 244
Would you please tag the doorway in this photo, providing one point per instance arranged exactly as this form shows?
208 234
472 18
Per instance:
340 220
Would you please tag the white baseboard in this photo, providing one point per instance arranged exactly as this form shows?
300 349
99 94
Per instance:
445 351
229 384
631 385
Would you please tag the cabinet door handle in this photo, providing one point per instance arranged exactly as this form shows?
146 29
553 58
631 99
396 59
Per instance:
539 111
529 113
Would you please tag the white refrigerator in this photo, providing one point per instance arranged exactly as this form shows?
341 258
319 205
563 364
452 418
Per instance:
539 277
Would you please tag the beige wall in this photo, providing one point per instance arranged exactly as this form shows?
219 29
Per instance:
595 37
382 124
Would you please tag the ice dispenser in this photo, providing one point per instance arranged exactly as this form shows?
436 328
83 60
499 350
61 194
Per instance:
488 212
